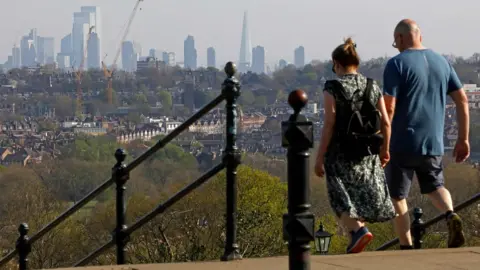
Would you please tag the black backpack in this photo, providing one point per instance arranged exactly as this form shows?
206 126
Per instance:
357 123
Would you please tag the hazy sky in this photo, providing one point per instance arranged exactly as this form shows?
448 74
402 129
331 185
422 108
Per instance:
278 25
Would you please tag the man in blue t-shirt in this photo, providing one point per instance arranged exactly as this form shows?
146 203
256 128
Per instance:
416 84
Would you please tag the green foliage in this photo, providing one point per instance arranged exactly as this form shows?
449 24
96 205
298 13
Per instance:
166 99
247 98
88 148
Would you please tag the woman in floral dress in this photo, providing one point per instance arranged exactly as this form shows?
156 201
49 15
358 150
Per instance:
357 188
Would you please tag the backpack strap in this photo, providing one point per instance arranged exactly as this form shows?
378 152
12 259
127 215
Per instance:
369 90
334 84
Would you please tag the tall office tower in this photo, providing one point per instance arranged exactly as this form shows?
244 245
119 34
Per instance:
258 60
16 59
128 56
46 50
93 54
65 58
152 53
95 21
165 58
80 30
28 49
245 47
299 57
64 61
189 53
211 61
171 59
66 44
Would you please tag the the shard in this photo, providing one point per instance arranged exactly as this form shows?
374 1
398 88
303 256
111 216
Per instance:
245 47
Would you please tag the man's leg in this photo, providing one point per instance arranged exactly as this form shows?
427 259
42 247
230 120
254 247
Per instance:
399 180
431 182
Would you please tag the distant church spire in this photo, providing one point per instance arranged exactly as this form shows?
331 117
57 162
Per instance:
245 47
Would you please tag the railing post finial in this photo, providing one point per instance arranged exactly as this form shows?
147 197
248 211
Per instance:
231 159
297 137
417 228
23 246
120 176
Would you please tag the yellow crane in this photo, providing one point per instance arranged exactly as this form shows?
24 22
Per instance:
109 73
79 73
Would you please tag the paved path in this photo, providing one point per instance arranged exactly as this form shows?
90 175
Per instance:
441 259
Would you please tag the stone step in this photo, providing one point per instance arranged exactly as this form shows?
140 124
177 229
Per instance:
426 259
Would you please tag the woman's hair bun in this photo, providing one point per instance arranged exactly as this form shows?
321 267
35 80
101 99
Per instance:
349 42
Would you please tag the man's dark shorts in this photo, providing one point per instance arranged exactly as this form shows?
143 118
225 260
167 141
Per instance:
400 169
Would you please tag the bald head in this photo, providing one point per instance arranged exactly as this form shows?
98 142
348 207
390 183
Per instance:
407 26
409 33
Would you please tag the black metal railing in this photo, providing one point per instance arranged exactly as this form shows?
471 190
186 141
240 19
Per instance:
418 227
121 174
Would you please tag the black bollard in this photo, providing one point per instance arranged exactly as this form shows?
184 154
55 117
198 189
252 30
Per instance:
299 222
23 246
417 229
231 158
121 177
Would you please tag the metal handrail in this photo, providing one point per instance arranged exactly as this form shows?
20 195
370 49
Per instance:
152 214
434 220
132 165
121 174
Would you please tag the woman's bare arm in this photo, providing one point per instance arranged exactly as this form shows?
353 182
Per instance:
385 125
328 125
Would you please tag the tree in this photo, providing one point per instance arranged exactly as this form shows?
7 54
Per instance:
27 199
166 99
247 98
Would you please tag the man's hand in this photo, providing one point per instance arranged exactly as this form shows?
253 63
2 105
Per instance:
384 156
461 151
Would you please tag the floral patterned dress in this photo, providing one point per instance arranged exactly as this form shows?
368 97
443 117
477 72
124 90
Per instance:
357 188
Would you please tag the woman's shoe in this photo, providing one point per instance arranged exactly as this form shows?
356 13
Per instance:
360 240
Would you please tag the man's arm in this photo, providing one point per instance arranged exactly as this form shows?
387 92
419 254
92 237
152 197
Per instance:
463 116
391 85
456 92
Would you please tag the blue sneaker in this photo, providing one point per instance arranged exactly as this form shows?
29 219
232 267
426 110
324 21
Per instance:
360 240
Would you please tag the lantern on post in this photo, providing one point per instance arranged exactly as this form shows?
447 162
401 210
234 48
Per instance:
322 240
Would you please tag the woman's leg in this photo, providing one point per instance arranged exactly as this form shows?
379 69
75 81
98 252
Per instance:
359 235
351 224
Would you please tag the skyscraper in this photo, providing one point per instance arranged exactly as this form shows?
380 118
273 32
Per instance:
211 61
165 58
129 59
245 47
190 53
258 60
299 57
66 44
81 27
28 48
65 58
45 50
16 59
95 20
153 53
171 59
93 54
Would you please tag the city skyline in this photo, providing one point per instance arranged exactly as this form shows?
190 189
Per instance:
303 23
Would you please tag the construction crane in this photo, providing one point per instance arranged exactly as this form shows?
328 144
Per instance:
109 73
79 73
